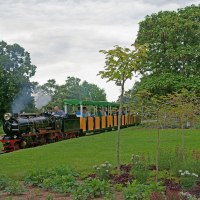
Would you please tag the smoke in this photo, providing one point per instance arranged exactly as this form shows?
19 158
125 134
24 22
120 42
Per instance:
21 100
41 99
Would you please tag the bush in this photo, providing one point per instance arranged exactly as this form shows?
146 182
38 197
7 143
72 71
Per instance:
92 188
14 187
136 191
187 179
140 168
103 171
4 182
37 177
10 186
58 183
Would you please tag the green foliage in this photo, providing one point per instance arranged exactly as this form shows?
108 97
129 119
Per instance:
92 188
172 161
59 183
15 71
10 186
140 168
103 171
49 197
51 178
120 65
173 58
4 182
122 62
136 191
14 187
72 89
188 179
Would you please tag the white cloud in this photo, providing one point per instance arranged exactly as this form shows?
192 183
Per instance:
64 36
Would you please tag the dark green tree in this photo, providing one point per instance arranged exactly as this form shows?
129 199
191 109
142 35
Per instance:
173 57
72 89
92 92
15 72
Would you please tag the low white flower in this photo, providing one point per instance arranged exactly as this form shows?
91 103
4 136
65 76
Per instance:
180 171
187 172
182 174
195 174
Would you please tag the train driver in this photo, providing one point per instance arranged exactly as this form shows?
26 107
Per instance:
58 112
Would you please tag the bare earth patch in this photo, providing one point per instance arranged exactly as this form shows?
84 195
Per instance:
34 193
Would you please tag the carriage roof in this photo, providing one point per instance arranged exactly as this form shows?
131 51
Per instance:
90 103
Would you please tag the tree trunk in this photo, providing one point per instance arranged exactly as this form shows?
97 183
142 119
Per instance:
118 129
183 142
157 152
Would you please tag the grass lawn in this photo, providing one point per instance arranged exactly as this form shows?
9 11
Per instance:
82 153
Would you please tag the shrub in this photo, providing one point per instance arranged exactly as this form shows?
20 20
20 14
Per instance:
92 188
103 171
4 182
187 179
136 191
58 183
10 186
140 168
122 179
14 187
37 177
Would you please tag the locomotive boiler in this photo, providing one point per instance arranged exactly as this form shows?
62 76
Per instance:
15 125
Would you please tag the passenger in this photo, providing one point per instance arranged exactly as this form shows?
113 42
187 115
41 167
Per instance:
85 112
104 113
78 113
58 112
49 110
99 113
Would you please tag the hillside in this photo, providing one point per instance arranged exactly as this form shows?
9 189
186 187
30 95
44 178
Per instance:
82 153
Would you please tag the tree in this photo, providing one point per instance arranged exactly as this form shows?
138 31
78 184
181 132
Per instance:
15 72
92 92
120 65
173 57
72 89
183 107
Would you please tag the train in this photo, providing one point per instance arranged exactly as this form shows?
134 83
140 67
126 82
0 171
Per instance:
30 129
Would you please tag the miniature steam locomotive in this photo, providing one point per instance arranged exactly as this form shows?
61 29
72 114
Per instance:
28 130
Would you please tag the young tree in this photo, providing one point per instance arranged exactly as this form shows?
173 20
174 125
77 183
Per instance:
183 108
120 65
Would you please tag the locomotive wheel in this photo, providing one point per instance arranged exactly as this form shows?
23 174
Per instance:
16 146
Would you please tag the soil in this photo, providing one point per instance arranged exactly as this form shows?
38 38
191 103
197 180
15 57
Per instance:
35 193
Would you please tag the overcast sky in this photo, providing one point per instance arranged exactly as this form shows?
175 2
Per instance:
64 37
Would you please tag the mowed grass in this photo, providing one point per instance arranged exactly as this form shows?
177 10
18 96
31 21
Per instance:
82 153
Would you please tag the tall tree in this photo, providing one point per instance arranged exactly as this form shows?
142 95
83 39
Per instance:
120 65
173 58
15 71
92 92
72 89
